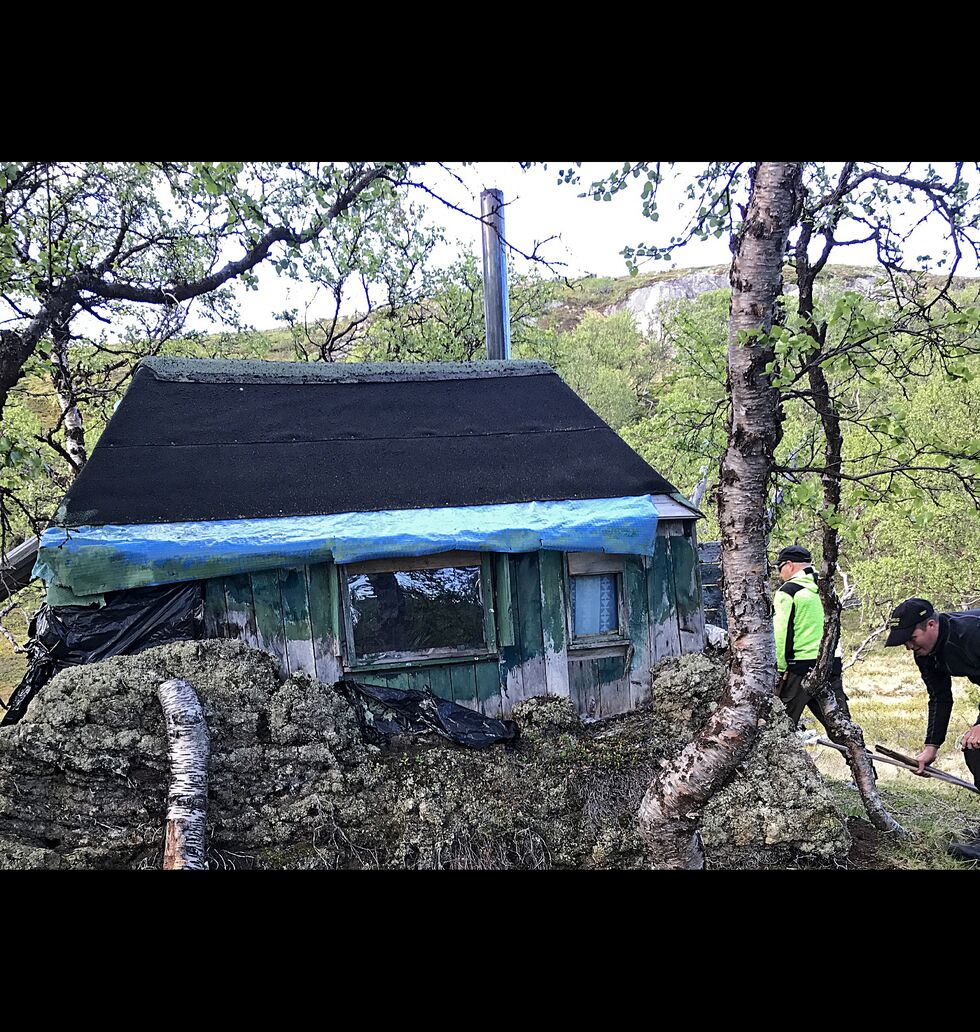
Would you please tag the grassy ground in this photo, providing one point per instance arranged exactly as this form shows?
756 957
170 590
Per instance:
932 816
13 664
888 700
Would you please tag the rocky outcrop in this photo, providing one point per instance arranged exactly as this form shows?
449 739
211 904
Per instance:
776 809
83 777
647 303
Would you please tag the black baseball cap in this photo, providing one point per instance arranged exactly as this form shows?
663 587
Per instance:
793 554
906 617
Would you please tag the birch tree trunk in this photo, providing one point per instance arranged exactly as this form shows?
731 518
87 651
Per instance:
671 809
188 744
71 416
840 726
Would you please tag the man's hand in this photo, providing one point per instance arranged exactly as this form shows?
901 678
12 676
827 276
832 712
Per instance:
971 740
928 754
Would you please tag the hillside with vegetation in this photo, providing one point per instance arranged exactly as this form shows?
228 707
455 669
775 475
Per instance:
647 353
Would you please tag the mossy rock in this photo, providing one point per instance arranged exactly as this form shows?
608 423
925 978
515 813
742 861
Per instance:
83 777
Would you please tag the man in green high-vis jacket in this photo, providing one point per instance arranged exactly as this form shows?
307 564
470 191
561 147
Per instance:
798 625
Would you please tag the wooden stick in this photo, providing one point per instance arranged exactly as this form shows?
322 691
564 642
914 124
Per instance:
934 771
904 764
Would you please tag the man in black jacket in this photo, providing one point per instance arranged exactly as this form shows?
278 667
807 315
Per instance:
945 645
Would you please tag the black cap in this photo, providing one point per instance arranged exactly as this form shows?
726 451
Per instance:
793 554
906 617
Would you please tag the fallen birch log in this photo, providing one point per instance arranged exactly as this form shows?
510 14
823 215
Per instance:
188 745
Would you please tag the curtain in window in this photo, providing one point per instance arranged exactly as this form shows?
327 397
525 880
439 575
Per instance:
594 604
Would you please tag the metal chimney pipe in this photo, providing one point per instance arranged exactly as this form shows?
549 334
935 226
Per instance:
496 310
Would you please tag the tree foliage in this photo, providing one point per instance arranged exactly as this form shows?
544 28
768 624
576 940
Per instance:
830 208
100 262
446 322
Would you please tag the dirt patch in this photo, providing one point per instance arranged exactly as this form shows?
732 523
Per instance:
867 847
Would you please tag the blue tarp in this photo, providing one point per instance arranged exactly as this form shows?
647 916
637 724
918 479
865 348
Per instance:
93 560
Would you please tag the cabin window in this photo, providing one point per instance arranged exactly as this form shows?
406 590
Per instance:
427 607
595 604
595 591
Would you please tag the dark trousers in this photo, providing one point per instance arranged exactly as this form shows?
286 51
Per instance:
796 700
792 694
972 758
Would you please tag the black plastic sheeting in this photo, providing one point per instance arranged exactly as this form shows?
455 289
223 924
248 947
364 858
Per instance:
129 622
383 712
142 618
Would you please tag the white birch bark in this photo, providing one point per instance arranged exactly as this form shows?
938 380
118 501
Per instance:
188 745
71 415
671 808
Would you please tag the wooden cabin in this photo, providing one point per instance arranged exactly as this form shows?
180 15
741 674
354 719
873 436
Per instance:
475 528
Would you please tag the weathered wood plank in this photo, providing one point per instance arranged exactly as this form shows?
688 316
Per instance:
463 679
593 700
709 552
215 616
296 620
511 660
488 687
366 677
592 563
638 628
489 597
240 608
530 635
439 681
687 588
504 602
614 686
553 618
596 651
709 569
699 615
582 684
416 562
270 633
324 595
665 635
399 679
710 574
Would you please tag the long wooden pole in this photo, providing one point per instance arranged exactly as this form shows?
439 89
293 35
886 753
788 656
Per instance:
931 771
905 762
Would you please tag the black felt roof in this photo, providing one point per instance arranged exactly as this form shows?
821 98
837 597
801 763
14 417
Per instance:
212 440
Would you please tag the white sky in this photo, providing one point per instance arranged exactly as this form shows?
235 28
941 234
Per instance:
590 234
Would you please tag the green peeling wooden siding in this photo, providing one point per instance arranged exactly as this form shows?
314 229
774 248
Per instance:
295 613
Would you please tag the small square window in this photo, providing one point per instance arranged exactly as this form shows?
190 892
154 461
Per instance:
595 604
595 590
